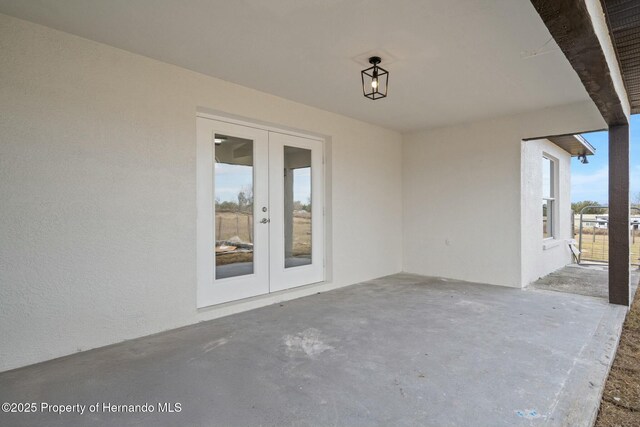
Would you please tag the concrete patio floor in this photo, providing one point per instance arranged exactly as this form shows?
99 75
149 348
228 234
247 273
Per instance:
585 279
401 350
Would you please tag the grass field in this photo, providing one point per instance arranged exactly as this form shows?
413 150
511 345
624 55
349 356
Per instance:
229 225
595 247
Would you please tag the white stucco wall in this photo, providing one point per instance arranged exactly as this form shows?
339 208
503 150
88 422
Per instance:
542 256
461 187
97 183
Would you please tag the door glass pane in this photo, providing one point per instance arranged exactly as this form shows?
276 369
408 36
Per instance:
233 195
297 206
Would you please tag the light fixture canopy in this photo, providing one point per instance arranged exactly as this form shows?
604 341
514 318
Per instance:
375 80
583 158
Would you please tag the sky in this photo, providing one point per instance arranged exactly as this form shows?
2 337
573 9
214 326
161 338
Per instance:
590 181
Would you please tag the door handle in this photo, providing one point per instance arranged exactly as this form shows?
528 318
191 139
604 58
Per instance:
264 221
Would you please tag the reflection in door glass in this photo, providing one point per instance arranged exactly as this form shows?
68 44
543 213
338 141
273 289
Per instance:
297 206
233 195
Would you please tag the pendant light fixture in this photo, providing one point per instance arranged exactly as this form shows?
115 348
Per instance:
375 80
583 158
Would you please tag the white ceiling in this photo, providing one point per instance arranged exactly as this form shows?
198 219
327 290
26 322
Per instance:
449 61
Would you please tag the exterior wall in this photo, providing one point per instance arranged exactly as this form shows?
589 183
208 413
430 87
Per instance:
461 187
98 190
539 256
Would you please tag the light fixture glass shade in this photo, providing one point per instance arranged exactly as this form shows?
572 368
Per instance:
375 80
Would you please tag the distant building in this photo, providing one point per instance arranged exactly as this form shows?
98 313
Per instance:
602 221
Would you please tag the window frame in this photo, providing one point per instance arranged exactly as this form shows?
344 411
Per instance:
552 199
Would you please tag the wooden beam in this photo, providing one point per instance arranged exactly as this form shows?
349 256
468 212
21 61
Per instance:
619 291
571 27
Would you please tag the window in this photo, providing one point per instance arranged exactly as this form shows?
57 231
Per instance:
548 198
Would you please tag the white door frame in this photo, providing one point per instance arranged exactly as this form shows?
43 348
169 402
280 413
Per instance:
207 293
281 277
211 290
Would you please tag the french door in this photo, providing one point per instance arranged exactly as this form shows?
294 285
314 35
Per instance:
260 211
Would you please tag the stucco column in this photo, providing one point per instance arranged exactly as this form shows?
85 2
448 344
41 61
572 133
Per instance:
619 292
